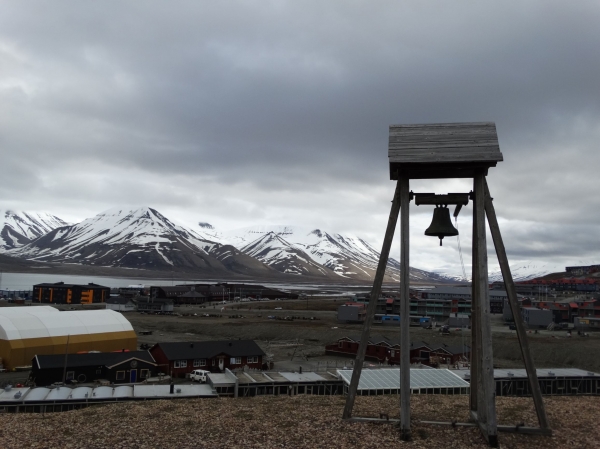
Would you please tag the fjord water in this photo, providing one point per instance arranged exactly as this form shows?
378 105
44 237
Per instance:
26 281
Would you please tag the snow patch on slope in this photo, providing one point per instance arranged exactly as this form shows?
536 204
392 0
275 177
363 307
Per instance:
18 228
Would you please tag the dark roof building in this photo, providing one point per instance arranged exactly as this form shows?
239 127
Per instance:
387 350
120 304
192 297
178 359
116 367
154 305
61 293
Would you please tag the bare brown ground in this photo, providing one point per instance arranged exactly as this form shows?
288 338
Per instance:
293 422
549 349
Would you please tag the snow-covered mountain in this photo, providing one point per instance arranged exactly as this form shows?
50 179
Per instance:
135 238
143 238
302 250
18 228
285 257
520 272
526 271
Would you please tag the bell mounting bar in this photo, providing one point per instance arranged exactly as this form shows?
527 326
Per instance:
432 199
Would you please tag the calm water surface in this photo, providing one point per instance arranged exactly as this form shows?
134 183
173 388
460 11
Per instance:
26 281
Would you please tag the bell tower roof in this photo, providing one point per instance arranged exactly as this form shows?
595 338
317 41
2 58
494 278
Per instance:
442 150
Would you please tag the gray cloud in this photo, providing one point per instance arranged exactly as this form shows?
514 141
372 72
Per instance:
248 112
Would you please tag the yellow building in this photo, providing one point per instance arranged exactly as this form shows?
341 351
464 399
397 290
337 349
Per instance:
29 331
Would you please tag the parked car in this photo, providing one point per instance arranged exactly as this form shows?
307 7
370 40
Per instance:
199 375
278 308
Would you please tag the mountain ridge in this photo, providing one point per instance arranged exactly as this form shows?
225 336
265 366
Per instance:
18 228
143 238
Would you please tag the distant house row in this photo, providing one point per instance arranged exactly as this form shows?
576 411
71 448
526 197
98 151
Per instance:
173 359
385 350
541 313
563 284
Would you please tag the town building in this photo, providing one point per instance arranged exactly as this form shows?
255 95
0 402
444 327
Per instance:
535 318
178 359
154 305
61 293
170 292
439 303
254 291
571 284
586 324
385 350
115 367
463 295
352 312
200 293
132 290
582 271
29 331
191 298
121 304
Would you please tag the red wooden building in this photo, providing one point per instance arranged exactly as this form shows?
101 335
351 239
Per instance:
179 358
384 350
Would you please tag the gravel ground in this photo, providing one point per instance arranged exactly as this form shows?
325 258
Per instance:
293 422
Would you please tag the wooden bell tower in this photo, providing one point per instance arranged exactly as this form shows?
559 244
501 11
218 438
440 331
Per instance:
450 150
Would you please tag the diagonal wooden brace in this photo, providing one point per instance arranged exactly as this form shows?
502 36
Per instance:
511 292
375 292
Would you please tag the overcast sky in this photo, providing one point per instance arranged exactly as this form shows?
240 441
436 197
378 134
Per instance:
243 113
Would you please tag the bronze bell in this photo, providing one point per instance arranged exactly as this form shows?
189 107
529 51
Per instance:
441 225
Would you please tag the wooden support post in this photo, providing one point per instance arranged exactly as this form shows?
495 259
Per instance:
486 403
475 353
375 292
511 292
404 312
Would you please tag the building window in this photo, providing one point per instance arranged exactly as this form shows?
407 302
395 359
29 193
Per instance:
199 362
120 375
213 362
236 360
180 364
98 371
70 375
184 363
340 344
144 374
253 359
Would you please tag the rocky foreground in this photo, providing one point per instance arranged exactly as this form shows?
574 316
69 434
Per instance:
293 422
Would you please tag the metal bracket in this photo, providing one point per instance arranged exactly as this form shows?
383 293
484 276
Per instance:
432 199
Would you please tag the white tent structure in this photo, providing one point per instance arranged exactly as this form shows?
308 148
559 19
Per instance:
29 331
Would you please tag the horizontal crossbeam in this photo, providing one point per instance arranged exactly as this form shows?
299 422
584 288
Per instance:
501 428
461 199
